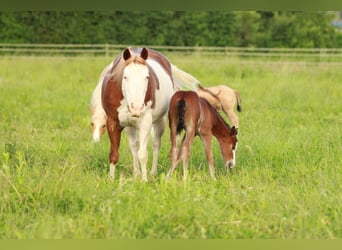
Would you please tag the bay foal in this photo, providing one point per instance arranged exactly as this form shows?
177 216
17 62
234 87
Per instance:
196 116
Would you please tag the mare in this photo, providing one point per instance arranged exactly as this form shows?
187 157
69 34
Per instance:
196 116
223 98
182 80
135 96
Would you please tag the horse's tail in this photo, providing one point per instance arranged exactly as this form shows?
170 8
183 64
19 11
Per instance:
181 113
238 99
183 80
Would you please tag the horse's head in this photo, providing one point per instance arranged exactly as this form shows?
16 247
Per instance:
228 148
135 81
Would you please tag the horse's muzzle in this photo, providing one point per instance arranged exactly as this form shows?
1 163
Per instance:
136 111
230 164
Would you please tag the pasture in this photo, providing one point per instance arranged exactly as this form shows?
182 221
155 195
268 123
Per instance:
287 183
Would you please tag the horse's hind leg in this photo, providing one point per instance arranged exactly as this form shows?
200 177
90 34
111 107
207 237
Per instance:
158 130
228 110
185 151
173 150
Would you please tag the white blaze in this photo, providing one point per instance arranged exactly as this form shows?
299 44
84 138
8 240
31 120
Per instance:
134 87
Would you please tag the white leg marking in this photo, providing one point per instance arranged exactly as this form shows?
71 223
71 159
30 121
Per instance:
112 171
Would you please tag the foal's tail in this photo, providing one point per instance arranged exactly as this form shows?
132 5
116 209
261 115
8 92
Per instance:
183 80
238 99
181 114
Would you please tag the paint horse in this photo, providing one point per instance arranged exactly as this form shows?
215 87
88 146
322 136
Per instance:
135 96
182 80
196 116
223 98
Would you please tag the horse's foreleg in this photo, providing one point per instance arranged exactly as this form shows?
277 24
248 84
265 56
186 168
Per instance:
114 132
158 130
206 140
133 144
144 135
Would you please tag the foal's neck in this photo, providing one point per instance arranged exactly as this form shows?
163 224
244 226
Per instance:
220 128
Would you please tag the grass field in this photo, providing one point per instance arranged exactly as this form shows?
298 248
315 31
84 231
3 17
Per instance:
286 185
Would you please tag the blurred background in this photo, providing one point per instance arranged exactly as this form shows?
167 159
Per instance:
257 29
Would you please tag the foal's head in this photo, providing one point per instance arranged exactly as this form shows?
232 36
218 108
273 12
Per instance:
98 124
228 147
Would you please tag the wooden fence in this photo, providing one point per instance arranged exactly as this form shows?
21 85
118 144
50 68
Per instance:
109 50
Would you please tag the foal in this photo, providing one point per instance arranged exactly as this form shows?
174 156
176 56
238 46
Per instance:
196 116
98 115
222 98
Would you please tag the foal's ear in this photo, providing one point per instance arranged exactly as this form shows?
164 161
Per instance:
234 131
126 54
144 53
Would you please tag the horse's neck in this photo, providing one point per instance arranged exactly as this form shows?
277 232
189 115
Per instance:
220 128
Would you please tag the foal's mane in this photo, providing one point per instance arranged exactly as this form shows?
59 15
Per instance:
217 114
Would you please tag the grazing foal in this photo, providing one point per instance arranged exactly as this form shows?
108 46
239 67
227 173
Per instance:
196 116
223 99
98 115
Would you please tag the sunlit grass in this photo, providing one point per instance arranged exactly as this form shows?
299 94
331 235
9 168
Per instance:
287 182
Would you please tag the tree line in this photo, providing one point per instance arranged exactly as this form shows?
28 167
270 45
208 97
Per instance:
173 28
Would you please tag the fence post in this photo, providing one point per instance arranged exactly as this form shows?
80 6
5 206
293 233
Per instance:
106 50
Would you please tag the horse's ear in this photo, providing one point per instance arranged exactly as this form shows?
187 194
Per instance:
126 54
144 53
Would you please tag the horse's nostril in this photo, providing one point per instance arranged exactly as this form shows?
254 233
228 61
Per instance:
230 165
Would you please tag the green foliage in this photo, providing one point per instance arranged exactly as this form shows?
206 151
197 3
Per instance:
286 185
176 28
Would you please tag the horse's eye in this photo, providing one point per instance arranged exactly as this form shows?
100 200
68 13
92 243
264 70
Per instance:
103 126
92 124
125 77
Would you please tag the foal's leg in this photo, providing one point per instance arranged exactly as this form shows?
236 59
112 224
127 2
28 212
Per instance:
185 151
144 134
114 132
158 130
206 140
228 109
133 144
173 150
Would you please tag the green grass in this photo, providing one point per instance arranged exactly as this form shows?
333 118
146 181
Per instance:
286 185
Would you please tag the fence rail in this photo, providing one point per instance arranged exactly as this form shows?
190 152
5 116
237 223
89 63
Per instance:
109 50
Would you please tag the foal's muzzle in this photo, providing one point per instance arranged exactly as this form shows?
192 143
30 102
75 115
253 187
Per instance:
230 164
